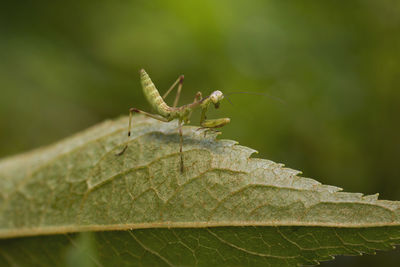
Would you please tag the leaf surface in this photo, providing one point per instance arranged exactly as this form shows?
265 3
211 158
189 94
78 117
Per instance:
226 208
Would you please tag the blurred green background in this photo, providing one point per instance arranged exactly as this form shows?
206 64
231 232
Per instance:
335 66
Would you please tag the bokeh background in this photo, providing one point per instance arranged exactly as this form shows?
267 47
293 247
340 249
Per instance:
330 71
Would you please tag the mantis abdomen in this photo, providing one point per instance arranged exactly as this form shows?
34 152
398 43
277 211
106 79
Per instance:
153 96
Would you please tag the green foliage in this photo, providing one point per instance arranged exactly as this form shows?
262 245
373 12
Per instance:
225 209
220 246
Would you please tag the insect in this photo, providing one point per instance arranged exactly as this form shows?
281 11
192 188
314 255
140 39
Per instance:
183 113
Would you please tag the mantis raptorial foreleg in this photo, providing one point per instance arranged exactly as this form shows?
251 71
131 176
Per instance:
211 125
215 123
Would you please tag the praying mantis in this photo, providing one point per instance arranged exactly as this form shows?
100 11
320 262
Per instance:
183 113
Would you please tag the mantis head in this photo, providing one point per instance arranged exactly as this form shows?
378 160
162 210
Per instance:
216 97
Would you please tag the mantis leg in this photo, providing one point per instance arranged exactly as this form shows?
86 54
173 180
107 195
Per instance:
197 98
178 93
131 111
212 124
185 121
154 116
216 123
181 144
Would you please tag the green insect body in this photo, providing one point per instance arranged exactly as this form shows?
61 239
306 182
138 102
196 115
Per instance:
183 113
153 96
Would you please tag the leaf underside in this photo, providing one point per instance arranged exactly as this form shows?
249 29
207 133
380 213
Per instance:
225 209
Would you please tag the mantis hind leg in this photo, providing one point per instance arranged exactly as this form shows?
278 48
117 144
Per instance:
131 111
178 93
180 146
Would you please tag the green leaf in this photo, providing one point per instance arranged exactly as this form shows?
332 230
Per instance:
138 209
